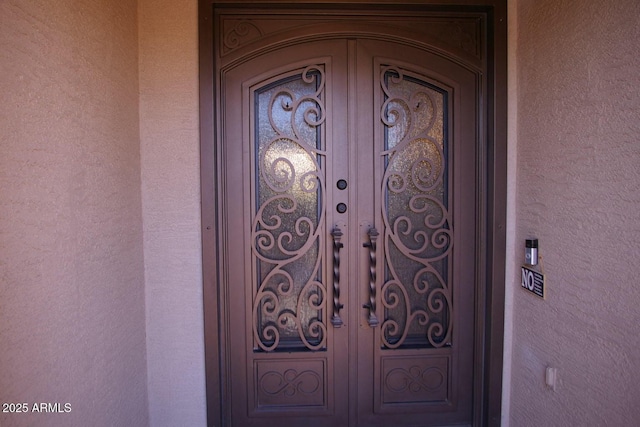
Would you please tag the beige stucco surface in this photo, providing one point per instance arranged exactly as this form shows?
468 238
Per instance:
578 192
72 321
169 130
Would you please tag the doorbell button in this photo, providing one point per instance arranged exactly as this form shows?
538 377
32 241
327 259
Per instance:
531 252
341 184
341 208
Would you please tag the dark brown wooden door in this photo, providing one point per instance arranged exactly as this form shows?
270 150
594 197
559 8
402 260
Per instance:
349 239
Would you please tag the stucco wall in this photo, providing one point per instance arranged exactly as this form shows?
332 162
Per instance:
71 257
579 193
171 209
513 249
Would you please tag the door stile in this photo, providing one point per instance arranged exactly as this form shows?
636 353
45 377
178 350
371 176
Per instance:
232 229
378 160
481 251
352 136
337 162
367 218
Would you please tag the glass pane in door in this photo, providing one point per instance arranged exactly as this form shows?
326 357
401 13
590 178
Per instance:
418 231
288 213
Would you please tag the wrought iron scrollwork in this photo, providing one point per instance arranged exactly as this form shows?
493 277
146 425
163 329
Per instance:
290 383
418 232
288 224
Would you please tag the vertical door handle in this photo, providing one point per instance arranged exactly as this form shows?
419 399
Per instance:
371 305
336 321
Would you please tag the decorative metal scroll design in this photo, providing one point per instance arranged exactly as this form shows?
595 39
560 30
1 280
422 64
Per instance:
415 379
290 382
242 32
418 232
288 225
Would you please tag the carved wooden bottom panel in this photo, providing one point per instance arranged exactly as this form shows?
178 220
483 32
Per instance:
415 380
290 383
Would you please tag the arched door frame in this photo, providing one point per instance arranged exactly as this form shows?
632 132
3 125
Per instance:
493 177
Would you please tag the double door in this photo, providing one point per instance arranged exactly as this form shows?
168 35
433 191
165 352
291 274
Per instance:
348 244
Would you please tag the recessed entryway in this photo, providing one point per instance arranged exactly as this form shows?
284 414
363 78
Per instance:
351 175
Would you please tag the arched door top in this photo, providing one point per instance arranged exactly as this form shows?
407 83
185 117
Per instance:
456 39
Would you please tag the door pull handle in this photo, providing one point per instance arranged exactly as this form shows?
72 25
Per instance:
371 305
336 320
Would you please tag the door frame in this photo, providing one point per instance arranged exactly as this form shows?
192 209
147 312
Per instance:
492 177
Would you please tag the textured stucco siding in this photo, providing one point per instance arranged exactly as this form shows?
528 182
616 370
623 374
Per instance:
72 325
578 191
171 211
97 94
